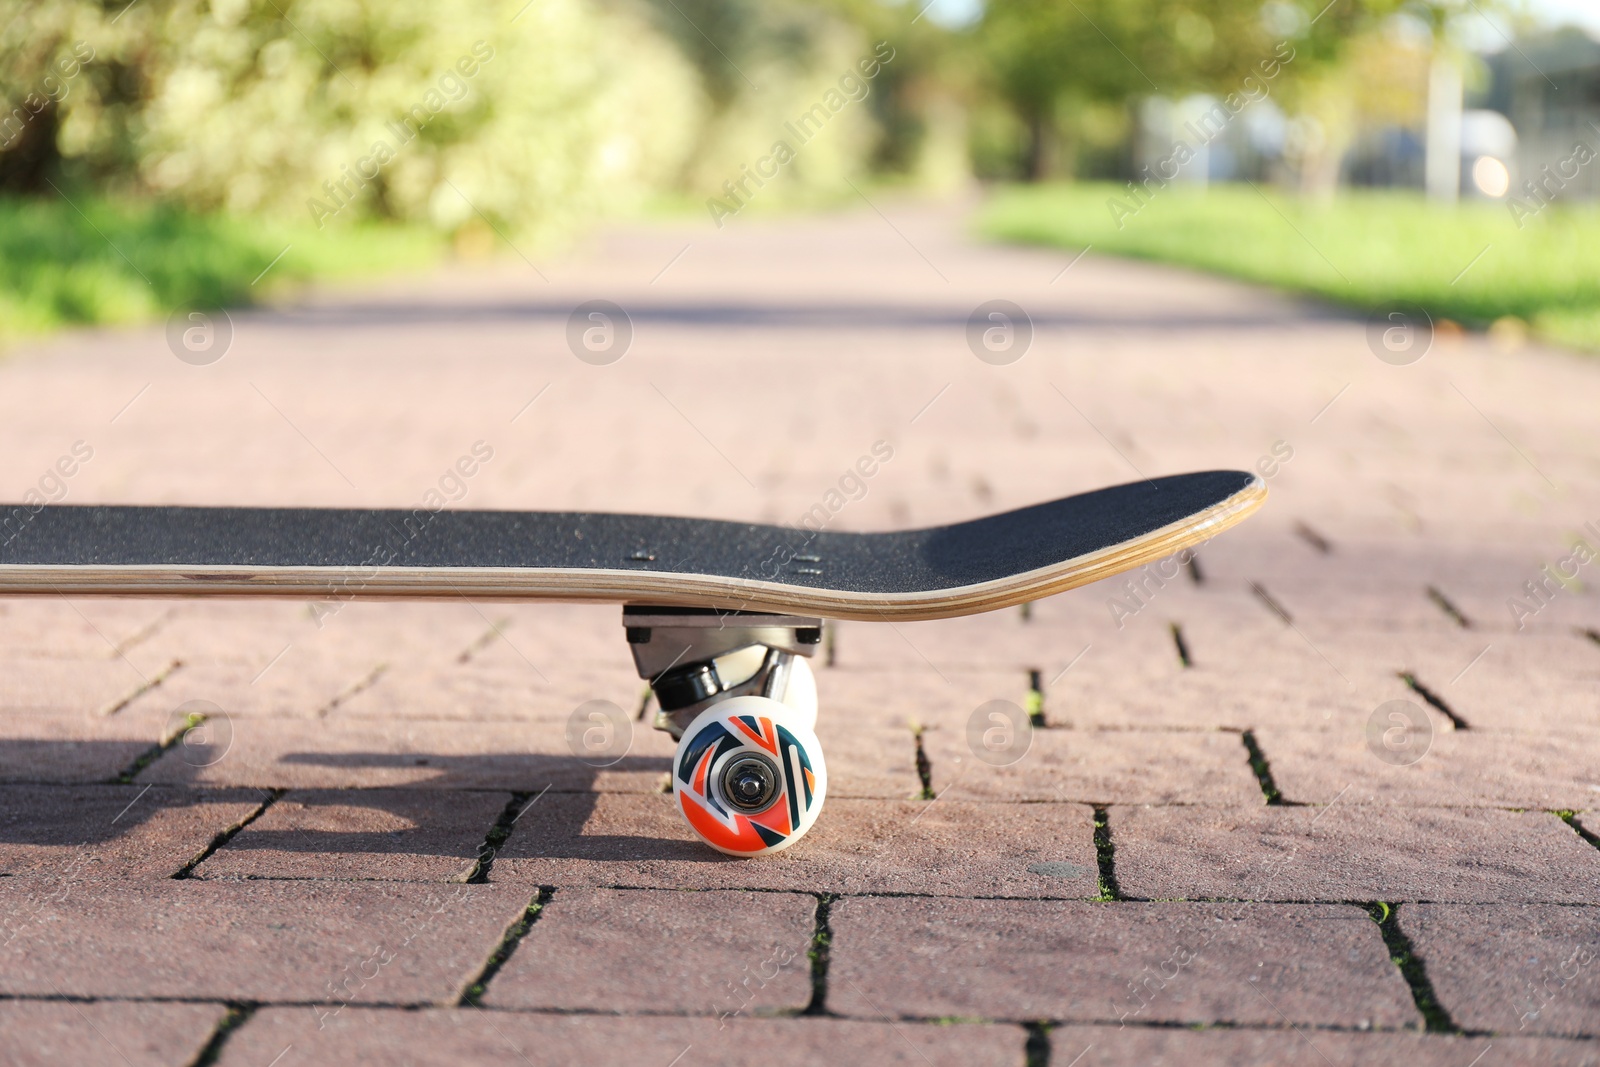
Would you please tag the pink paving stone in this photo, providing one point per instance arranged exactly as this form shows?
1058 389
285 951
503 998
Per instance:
869 754
866 721
1108 694
245 633
1176 963
1451 767
475 691
325 942
1003 639
1374 584
1110 1046
1351 852
40 747
1511 968
906 696
856 846
77 629
296 686
555 637
255 632
355 752
111 831
1534 703
710 952
416 835
35 1033
1093 766
84 686
1523 682
450 1037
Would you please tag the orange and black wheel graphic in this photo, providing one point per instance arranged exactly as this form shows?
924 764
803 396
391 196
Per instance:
749 776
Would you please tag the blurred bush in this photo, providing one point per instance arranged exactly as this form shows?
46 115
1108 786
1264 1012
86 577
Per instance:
522 116
515 116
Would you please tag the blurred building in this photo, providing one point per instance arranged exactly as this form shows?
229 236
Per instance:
1549 88
1533 117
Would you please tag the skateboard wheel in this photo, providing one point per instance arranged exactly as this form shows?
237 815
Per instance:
801 693
748 775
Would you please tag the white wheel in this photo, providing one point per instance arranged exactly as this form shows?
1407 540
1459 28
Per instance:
801 693
749 776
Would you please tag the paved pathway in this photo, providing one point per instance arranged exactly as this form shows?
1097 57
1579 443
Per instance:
1326 788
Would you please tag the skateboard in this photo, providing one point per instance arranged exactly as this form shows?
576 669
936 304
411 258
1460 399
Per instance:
721 617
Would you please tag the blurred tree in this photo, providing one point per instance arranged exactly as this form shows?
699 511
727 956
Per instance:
765 62
1061 63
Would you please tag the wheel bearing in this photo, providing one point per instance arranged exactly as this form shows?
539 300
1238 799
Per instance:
750 782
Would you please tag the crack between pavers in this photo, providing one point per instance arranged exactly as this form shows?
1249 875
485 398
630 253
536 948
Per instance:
141 689
830 643
361 685
1436 1020
1034 701
1181 645
472 993
1261 769
239 1013
495 839
1434 700
1446 605
156 751
1272 605
818 954
1591 634
924 764
1571 819
224 836
1311 537
1192 565
1105 855
484 640
138 637
1036 1050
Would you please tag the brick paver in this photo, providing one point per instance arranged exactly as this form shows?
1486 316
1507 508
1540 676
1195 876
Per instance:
1412 508
445 1038
75 747
710 952
322 942
87 686
1122 767
1024 850
138 1034
1512 968
1451 767
1351 852
112 831
416 835
1152 963
1102 1046
415 753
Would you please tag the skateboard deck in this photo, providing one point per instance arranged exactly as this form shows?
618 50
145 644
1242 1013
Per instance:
338 554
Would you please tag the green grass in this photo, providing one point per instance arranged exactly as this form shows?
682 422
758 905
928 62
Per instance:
105 261
1364 249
